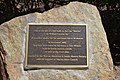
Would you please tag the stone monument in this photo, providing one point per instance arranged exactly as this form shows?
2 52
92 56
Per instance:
96 54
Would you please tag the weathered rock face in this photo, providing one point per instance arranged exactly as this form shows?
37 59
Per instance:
13 37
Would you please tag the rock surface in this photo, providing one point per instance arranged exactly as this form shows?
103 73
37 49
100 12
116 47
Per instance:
13 37
117 72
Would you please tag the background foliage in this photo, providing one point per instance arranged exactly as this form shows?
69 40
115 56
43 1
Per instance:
109 10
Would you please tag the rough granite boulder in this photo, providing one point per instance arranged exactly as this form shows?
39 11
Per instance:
13 37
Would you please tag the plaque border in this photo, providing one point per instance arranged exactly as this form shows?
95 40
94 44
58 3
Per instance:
26 66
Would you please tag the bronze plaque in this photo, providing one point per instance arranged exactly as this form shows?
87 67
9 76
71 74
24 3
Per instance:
56 46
